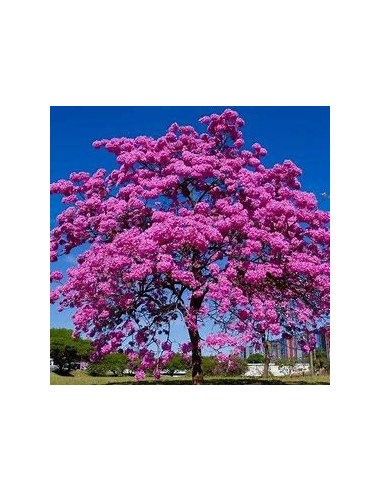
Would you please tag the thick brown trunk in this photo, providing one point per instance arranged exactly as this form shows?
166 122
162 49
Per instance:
197 374
267 359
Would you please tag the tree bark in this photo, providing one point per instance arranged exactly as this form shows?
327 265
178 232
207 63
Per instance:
197 374
266 344
312 362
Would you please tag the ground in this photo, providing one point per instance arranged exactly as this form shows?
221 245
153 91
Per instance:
81 377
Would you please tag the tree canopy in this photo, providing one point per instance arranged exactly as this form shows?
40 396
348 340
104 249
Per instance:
192 227
114 363
65 350
256 358
177 363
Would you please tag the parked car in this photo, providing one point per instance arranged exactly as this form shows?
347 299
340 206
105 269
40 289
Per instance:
73 366
176 372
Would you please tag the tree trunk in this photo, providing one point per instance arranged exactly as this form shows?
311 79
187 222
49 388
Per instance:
267 359
311 363
197 374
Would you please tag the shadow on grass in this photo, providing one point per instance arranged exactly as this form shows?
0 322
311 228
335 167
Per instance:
64 374
222 381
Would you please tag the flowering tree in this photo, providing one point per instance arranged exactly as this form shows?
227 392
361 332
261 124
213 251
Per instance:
191 226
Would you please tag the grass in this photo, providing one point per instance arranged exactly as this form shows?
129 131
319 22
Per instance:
81 377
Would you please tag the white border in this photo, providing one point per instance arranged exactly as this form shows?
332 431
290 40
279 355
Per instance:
216 53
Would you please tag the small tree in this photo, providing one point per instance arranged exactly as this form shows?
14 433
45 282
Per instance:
177 363
224 366
209 365
114 363
256 358
231 366
65 350
286 364
321 360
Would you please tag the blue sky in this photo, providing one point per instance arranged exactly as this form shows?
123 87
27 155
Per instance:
299 133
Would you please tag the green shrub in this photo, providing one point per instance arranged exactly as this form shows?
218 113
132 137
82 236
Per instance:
209 365
177 363
256 359
234 366
286 361
114 363
321 360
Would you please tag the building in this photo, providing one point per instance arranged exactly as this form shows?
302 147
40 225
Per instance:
288 348
322 341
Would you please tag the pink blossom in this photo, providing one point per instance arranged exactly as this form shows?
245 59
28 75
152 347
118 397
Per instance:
166 346
54 296
139 375
55 276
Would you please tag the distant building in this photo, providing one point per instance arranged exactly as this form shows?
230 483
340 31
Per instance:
286 348
322 341
289 348
280 349
247 351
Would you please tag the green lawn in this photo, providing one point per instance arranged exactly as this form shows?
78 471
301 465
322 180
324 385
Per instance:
81 377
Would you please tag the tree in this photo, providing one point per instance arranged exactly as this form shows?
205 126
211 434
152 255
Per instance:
209 365
321 360
114 363
286 364
177 363
231 366
224 366
191 226
256 358
65 350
